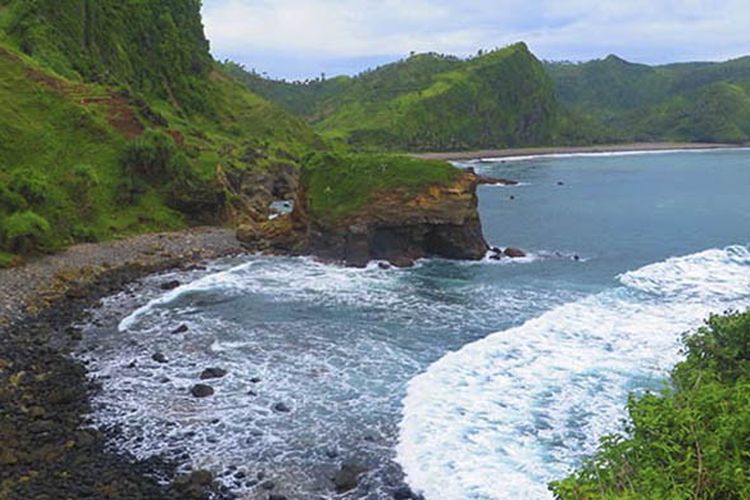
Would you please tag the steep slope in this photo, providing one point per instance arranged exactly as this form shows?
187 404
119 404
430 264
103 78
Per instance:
432 102
678 102
112 124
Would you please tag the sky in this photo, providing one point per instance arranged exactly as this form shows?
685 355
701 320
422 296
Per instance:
298 39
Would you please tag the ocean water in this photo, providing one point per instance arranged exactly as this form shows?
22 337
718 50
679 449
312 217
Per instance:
467 380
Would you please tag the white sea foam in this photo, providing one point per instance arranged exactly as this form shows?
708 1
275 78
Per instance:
503 416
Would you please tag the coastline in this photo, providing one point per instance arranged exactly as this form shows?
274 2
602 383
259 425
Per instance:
563 150
46 394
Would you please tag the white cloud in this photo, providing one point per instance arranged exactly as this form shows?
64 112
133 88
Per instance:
330 30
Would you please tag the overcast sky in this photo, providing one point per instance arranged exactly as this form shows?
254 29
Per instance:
302 38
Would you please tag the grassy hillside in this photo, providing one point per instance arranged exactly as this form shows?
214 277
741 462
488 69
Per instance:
432 102
112 124
690 441
679 102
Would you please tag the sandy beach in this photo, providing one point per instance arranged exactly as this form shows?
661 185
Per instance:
558 150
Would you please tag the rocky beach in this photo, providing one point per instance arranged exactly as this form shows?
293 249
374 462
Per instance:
49 450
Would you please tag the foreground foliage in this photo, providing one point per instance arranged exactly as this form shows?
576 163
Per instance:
690 441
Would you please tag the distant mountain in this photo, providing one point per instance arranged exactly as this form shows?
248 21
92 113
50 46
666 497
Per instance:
706 102
430 102
508 98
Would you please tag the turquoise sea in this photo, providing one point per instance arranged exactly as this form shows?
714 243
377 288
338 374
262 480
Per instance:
467 380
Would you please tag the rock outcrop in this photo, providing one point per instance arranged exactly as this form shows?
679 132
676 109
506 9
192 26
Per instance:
398 227
443 221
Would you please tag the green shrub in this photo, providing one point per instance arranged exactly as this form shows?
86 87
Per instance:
6 259
11 201
690 441
154 158
23 232
30 184
83 180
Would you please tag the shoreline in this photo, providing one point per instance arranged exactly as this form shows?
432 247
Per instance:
635 147
46 394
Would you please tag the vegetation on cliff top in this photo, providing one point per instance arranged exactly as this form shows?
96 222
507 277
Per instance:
690 441
339 184
430 102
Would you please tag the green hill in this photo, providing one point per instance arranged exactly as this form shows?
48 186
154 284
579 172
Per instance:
678 102
431 102
114 119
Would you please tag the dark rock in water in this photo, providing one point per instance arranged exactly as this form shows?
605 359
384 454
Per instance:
202 391
194 485
255 380
252 393
180 329
164 380
210 373
132 364
496 256
170 285
347 478
268 485
404 493
281 408
240 475
402 262
576 258
384 265
159 358
514 253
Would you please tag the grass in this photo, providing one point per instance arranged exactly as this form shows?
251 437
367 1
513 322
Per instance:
339 185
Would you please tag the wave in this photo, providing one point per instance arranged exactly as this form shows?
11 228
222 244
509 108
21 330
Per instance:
503 416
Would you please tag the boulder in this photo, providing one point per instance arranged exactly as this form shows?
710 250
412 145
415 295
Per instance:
514 253
347 477
210 373
202 391
281 408
170 285
159 358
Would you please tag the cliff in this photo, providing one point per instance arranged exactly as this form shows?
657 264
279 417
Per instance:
357 208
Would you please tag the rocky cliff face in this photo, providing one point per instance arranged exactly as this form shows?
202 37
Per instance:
441 221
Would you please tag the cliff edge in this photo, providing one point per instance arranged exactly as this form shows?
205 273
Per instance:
357 208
